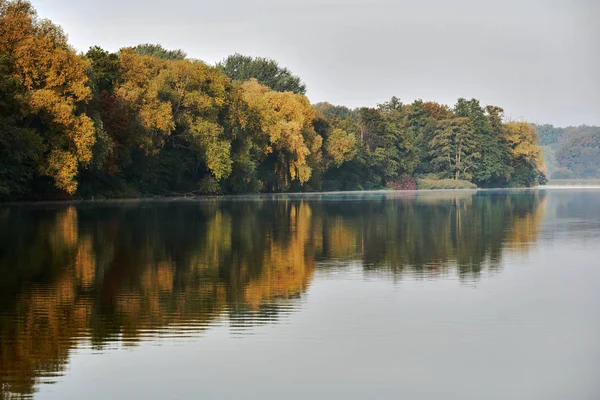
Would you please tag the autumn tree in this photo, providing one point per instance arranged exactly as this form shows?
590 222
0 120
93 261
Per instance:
282 122
340 146
526 156
52 86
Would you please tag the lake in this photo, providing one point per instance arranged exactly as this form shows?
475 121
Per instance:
386 295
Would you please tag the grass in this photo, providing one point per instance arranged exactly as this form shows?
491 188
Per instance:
428 183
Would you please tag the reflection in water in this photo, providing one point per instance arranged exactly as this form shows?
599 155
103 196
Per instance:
95 275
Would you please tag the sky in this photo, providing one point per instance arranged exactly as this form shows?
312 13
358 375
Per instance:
538 59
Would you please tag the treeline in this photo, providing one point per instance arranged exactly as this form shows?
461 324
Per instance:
572 152
150 121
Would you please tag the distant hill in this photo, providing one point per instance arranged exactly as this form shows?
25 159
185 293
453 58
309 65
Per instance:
572 152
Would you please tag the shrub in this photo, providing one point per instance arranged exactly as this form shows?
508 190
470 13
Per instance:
404 182
444 184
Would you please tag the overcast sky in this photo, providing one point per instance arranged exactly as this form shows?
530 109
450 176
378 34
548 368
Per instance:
539 60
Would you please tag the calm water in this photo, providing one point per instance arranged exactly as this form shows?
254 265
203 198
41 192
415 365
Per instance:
454 295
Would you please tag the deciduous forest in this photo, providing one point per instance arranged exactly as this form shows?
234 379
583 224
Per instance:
150 121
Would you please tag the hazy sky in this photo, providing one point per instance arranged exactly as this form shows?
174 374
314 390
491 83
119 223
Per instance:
540 60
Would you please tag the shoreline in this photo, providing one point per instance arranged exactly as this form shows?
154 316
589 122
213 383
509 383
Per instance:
274 196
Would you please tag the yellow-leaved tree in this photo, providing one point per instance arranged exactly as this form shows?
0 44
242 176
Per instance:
52 88
284 119
527 157
177 102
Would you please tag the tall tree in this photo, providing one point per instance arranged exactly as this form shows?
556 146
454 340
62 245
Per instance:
454 148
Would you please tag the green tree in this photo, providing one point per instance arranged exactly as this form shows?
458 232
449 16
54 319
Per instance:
156 50
104 72
493 167
454 148
266 71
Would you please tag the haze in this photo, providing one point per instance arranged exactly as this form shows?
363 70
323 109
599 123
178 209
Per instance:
537 59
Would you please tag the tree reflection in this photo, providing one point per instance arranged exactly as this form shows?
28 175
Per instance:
105 273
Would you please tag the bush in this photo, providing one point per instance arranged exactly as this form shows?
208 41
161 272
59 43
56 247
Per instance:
444 184
404 182
209 185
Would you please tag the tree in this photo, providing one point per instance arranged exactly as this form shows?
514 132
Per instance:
340 146
177 103
454 148
156 50
387 142
422 118
526 155
104 73
493 166
282 123
267 72
53 85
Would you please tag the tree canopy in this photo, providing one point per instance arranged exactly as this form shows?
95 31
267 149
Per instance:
150 121
264 70
571 152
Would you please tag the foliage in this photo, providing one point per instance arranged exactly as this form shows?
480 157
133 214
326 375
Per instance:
526 154
428 183
149 121
574 150
267 72
581 155
454 148
51 86
156 50
404 182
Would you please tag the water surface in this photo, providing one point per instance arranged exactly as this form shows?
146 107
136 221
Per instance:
453 294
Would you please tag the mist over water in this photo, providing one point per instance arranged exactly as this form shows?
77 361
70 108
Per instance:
461 294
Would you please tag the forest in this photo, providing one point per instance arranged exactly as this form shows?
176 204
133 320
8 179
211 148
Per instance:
147 121
572 152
